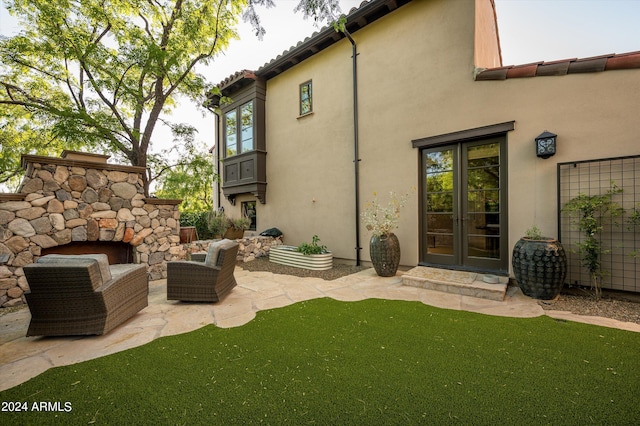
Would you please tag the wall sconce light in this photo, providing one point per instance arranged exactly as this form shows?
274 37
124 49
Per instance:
546 144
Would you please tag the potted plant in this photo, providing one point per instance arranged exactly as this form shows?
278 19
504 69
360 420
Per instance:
308 256
237 227
218 224
539 265
384 246
188 230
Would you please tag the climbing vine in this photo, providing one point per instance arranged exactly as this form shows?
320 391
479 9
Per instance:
590 213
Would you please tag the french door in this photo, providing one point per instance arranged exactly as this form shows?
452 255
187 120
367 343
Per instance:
464 219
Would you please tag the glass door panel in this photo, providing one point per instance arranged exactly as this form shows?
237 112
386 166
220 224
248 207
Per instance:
440 205
482 202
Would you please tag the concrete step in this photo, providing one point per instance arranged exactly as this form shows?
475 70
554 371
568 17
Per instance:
457 282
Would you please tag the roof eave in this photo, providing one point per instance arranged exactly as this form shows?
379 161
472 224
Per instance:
357 19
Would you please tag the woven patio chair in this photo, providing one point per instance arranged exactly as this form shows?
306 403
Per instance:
81 294
207 281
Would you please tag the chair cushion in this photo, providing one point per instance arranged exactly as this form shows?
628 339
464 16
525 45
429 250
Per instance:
102 259
214 251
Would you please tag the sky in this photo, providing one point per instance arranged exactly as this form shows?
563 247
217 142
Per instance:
530 31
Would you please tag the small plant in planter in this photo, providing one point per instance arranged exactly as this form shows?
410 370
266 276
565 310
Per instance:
313 248
539 265
237 227
534 233
242 223
218 224
308 256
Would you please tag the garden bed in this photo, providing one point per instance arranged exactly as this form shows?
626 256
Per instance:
290 256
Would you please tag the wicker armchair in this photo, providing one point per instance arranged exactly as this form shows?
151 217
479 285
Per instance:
207 281
82 294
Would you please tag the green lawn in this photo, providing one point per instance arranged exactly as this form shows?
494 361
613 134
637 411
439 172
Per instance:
370 362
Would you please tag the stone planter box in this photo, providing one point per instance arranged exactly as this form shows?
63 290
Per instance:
287 255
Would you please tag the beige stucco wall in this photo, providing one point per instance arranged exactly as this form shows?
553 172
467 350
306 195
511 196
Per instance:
415 71
310 160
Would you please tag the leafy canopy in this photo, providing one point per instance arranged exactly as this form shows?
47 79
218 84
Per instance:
103 73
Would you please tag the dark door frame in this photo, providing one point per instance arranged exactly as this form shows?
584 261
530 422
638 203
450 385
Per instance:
458 138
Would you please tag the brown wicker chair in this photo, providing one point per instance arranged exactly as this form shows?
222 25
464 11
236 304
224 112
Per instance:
79 295
207 281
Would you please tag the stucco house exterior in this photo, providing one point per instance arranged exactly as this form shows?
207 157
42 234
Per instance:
414 97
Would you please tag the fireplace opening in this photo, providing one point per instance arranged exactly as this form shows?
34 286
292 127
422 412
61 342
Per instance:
118 252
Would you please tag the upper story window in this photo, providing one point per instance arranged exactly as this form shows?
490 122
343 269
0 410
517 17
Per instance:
231 125
239 134
306 100
246 126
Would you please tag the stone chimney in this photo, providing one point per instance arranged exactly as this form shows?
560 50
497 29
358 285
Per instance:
79 202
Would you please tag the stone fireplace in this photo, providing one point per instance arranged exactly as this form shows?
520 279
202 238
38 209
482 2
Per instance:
79 203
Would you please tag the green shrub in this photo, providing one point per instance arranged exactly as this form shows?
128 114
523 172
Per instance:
201 222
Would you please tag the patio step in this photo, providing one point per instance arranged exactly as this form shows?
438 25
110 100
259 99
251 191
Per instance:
456 282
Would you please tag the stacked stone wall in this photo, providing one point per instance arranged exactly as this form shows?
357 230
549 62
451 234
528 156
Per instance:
250 247
61 202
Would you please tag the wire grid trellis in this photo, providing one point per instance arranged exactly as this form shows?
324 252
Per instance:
620 239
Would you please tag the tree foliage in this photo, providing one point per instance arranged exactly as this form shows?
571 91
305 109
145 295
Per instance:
103 73
18 134
191 180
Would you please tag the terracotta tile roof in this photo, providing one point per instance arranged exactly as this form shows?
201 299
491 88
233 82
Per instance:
230 84
609 62
237 76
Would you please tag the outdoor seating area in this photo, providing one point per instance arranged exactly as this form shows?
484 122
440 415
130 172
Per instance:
82 294
74 295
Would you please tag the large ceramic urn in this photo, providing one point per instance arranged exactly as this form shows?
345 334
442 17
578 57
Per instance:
385 254
540 267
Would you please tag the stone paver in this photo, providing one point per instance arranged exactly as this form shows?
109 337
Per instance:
22 358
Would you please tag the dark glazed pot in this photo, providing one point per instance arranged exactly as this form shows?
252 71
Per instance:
540 267
385 254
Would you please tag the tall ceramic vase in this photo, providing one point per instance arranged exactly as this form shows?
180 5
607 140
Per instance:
385 254
540 267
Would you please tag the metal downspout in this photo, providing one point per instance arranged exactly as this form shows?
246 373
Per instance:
356 159
216 147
